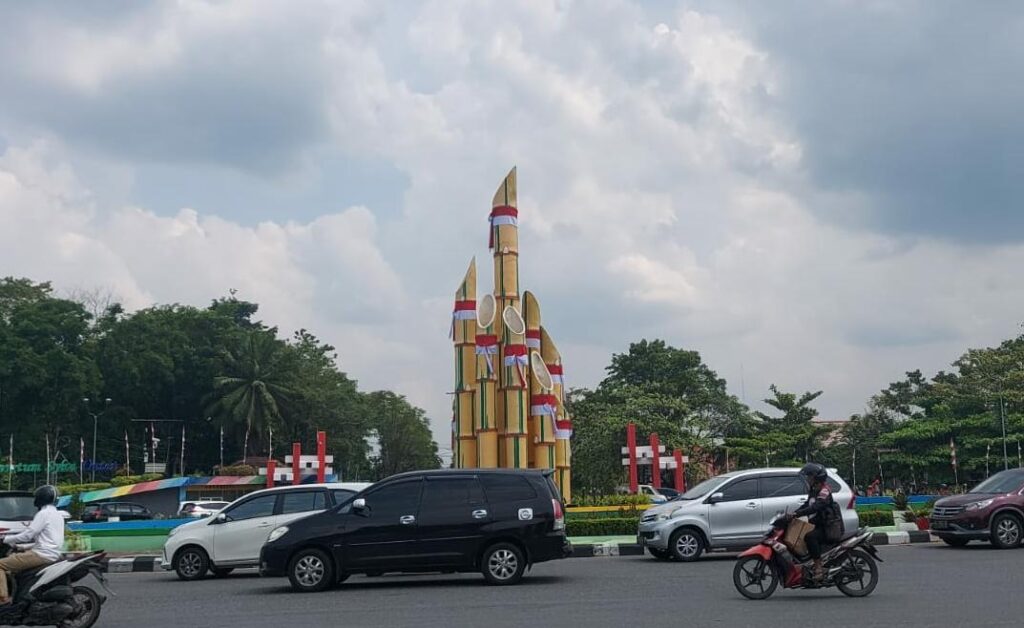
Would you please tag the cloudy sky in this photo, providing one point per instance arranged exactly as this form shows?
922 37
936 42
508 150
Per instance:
817 195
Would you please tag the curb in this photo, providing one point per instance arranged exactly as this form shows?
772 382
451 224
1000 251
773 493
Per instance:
903 537
133 564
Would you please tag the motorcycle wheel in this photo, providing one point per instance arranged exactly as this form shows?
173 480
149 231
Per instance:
754 577
89 604
857 567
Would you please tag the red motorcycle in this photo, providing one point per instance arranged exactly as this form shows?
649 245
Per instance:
850 566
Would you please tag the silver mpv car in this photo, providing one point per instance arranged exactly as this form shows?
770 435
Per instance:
732 511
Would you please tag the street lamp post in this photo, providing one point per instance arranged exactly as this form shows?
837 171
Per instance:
95 421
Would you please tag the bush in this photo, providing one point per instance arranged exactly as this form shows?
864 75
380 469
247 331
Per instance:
899 501
128 480
876 518
608 526
633 501
238 469
71 489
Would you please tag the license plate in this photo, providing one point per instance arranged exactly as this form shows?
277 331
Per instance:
940 525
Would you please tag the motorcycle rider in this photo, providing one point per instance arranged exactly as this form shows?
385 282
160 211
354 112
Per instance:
46 532
818 508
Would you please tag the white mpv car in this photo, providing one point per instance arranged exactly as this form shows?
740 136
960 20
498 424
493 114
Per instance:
234 536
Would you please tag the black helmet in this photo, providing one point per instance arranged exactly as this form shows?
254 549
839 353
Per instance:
45 496
814 472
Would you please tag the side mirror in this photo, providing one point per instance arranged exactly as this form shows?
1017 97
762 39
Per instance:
716 497
359 506
221 518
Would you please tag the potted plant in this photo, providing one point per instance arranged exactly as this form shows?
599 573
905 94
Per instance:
918 516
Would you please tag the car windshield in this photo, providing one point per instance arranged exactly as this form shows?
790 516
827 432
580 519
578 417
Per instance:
1004 482
17 508
702 489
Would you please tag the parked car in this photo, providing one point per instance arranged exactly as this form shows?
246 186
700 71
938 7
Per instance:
123 511
200 508
495 521
992 511
16 510
732 511
233 537
657 495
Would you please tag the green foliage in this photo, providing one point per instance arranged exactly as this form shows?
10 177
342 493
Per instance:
876 518
633 501
128 480
787 440
210 367
403 433
237 470
662 389
608 526
899 501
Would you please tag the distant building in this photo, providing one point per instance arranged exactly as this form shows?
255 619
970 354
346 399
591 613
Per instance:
835 429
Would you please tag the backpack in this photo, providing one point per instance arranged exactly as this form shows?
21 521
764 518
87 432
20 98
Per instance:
834 522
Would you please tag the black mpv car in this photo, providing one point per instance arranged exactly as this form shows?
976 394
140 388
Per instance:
496 521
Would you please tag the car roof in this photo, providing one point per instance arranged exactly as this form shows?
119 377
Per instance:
443 472
349 486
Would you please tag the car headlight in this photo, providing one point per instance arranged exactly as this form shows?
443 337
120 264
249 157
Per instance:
663 516
979 505
277 533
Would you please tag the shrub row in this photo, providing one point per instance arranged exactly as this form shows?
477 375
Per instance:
121 480
876 518
611 500
608 526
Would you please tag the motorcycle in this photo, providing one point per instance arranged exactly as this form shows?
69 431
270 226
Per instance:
851 565
48 596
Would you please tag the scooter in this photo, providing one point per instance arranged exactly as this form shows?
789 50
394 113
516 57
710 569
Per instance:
850 566
48 596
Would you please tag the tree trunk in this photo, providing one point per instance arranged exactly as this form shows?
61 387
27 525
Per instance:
245 446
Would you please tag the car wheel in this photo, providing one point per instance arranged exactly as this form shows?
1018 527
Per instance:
954 542
660 554
221 572
191 563
311 570
686 544
1006 531
503 563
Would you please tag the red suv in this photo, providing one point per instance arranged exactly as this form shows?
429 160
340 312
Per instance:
992 511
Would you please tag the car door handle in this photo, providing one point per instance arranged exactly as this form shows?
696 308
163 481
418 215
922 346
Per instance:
751 505
407 519
263 524
479 514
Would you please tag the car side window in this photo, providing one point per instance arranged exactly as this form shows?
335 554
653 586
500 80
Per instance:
782 486
740 490
262 506
447 494
342 495
394 500
302 501
506 488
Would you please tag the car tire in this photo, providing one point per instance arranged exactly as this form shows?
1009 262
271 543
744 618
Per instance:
686 545
191 563
955 542
311 571
221 572
1006 531
660 554
503 564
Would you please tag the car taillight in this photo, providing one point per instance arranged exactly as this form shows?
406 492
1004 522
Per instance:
853 502
559 514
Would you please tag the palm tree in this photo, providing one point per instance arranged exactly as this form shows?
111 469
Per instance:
254 389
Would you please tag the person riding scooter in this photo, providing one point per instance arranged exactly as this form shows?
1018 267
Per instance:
46 533
818 508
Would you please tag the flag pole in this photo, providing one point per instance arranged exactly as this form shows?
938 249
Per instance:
47 458
127 456
10 462
182 466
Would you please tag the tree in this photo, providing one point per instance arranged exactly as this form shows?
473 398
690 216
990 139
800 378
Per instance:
790 439
403 433
255 389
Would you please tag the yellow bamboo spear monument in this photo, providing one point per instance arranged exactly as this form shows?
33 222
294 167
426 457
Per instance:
504 241
563 424
487 383
464 337
539 388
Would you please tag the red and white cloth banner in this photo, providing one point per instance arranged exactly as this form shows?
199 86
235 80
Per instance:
556 374
543 405
952 452
563 429
515 355
487 346
533 338
502 215
464 311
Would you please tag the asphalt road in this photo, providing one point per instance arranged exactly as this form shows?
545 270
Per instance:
920 585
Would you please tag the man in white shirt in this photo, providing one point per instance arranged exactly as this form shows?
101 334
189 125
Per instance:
45 533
